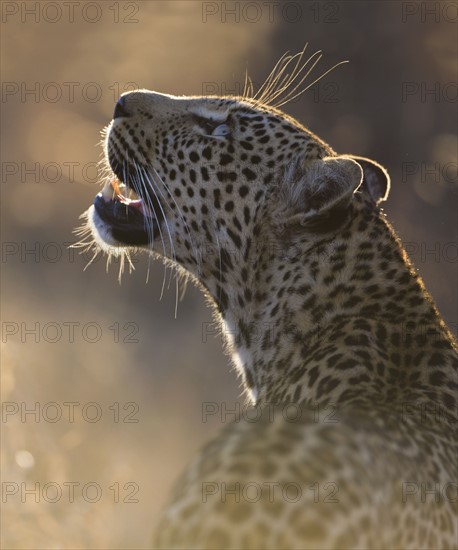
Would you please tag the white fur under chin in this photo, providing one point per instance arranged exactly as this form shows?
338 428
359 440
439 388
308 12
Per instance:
102 233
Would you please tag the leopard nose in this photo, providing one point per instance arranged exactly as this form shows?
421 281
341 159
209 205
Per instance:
120 108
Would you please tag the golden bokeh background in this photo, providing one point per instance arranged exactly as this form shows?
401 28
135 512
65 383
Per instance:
117 351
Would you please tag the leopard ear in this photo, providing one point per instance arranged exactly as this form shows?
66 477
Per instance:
376 180
318 194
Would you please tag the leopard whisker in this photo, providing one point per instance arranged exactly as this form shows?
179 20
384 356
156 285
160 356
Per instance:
149 202
185 224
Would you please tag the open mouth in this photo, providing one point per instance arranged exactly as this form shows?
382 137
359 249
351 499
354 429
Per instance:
130 220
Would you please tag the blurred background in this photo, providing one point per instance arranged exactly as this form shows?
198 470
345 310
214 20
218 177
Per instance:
102 387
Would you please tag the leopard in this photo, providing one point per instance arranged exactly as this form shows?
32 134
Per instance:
349 371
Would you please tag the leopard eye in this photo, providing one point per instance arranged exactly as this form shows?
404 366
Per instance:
213 128
222 130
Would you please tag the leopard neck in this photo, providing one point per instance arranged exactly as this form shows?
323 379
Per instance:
335 318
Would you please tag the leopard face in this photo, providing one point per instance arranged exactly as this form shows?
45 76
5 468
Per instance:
213 180
201 169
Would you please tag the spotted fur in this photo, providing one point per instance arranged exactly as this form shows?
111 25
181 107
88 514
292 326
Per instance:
321 310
